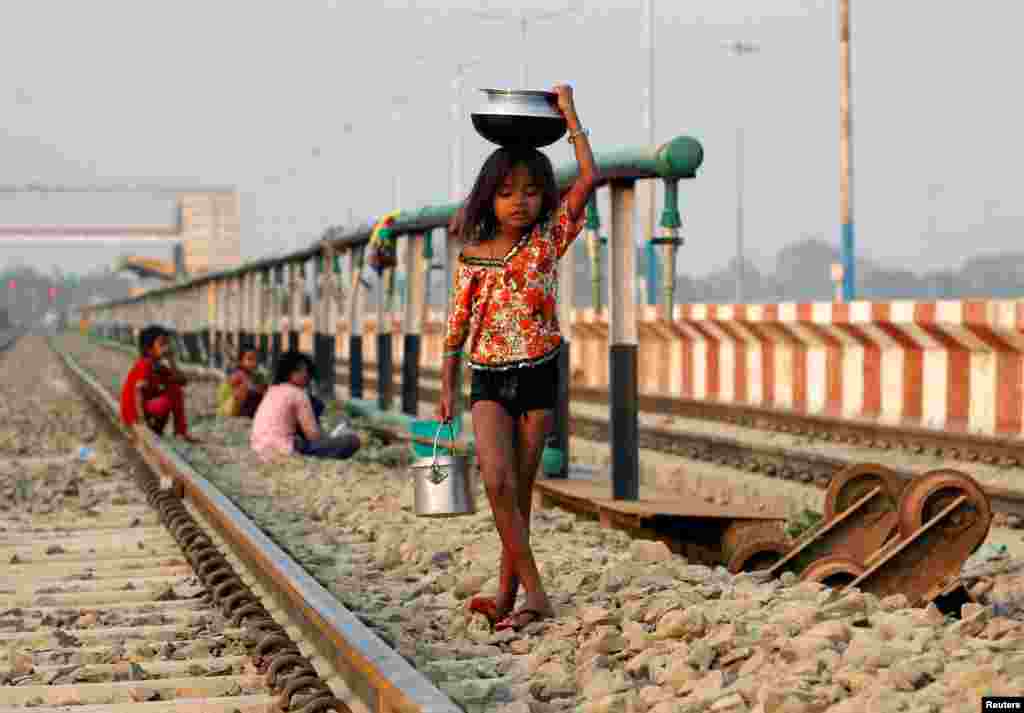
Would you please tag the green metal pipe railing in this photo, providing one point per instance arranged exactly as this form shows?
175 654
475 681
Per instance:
676 159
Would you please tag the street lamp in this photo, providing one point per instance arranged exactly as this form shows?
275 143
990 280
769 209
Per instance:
397 102
456 161
524 19
846 153
740 49
648 197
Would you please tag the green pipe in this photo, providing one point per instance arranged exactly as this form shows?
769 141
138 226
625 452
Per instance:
428 246
389 303
669 241
593 227
679 158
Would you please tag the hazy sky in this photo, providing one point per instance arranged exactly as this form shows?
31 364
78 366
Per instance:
258 95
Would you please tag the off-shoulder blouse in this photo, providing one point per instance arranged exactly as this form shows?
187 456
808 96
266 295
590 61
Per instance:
506 308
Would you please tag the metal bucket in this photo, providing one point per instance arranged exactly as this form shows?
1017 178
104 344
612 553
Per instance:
524 118
444 484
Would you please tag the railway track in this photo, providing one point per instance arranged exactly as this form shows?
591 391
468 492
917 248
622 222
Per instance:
777 462
126 589
970 448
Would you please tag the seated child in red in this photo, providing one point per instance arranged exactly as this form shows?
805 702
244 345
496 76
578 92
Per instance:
153 389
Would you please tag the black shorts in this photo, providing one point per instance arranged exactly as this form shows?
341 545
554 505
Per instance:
518 390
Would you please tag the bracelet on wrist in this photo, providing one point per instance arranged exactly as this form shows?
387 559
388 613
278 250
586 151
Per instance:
573 135
456 353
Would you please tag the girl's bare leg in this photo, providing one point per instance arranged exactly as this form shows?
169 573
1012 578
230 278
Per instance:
499 466
502 451
533 428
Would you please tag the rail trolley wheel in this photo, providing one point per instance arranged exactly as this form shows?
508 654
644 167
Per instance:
931 493
833 571
752 545
853 483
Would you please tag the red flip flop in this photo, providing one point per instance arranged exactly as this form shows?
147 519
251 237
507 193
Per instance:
486 606
512 620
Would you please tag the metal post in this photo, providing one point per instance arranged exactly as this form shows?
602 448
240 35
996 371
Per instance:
623 346
385 380
740 48
245 309
418 269
648 189
295 303
449 276
846 153
219 291
263 309
316 315
556 455
355 320
594 248
739 215
456 158
524 62
276 346
331 306
524 19
456 165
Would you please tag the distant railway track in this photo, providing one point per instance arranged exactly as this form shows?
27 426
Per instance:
967 447
776 462
181 605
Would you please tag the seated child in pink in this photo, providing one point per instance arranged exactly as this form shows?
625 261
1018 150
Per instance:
285 422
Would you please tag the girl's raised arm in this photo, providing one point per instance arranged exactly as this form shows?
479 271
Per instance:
583 187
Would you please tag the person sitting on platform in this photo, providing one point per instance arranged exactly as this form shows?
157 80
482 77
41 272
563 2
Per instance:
288 418
241 392
154 387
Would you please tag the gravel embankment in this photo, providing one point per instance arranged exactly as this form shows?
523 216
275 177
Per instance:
637 629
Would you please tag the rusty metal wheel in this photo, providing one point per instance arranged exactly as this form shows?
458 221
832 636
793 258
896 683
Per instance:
928 495
833 571
752 545
853 483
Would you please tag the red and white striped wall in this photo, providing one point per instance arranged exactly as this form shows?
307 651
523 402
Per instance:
956 365
943 365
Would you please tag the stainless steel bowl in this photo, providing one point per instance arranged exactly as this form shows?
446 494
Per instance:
519 118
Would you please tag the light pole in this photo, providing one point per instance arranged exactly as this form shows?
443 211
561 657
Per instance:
524 19
456 164
648 197
845 152
397 102
740 49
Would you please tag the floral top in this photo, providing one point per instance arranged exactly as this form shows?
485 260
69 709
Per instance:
506 307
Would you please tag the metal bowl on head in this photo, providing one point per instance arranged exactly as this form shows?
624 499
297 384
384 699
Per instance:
519 118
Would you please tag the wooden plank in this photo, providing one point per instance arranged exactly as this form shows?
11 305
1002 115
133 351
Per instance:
651 503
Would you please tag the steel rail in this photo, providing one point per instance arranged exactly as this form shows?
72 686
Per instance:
379 678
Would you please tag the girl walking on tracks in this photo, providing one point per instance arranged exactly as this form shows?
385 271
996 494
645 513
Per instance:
515 227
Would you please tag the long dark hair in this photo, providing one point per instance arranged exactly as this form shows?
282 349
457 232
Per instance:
479 221
290 362
148 337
